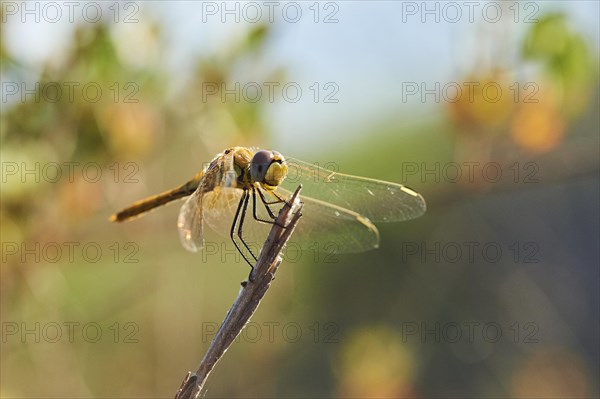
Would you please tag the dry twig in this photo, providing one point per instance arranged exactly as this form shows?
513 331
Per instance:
248 298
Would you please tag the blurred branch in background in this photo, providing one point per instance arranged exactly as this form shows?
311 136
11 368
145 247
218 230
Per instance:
96 106
212 106
500 118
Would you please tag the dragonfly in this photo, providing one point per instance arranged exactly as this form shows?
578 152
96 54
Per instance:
338 211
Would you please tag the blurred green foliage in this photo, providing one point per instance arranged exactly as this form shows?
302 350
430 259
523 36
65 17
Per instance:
566 60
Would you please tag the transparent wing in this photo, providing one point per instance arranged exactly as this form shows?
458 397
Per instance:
377 200
328 227
337 214
221 205
219 214
190 223
323 226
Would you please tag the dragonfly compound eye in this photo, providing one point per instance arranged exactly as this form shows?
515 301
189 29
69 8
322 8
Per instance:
268 167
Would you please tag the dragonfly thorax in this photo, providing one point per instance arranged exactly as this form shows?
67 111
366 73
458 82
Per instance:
268 168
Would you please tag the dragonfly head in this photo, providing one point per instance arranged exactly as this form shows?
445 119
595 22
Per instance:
268 168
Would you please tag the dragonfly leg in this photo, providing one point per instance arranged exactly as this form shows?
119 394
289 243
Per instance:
266 206
278 201
264 201
241 224
243 200
267 203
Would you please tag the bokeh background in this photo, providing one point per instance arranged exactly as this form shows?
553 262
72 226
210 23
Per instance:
493 293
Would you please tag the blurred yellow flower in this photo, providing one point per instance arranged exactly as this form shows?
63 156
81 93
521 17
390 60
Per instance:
374 363
485 103
132 128
538 127
551 373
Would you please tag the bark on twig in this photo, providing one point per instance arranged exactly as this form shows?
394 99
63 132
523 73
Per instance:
248 298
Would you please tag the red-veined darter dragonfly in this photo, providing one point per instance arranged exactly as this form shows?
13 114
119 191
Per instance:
338 209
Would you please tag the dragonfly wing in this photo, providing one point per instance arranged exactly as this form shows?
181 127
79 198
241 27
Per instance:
323 226
326 227
220 206
377 200
190 223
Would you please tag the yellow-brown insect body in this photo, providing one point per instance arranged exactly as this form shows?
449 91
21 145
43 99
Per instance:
268 168
229 167
237 167
241 162
142 206
251 168
248 181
